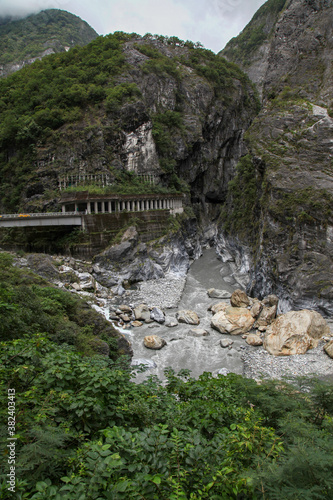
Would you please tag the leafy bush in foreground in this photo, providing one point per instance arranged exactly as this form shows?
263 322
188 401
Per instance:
86 431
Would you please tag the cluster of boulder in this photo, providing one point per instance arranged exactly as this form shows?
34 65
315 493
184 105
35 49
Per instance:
255 320
292 333
125 315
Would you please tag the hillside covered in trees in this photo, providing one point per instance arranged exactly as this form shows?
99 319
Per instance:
22 41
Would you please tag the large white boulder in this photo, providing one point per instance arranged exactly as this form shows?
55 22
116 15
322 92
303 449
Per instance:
295 332
234 320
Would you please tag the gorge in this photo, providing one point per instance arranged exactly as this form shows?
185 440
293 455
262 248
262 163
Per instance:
173 339
191 120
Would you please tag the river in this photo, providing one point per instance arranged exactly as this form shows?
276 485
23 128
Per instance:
183 351
200 354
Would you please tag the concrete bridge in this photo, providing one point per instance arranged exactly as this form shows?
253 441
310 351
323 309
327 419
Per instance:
77 206
82 201
42 219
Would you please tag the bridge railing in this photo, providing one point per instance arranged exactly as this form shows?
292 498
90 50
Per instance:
42 214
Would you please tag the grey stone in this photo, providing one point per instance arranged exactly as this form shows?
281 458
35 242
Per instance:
157 315
142 312
187 316
226 343
170 322
223 371
198 332
213 293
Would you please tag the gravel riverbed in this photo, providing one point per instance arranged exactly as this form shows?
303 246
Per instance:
257 362
164 292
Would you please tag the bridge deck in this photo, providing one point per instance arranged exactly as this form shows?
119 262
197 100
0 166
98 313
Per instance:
41 219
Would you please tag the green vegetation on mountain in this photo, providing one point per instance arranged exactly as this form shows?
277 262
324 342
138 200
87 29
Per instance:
48 94
242 211
57 96
50 29
259 29
29 305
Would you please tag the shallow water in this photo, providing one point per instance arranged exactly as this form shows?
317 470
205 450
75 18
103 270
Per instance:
198 354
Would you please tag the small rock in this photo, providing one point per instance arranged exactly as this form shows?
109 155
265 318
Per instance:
120 290
125 318
220 306
157 315
256 309
213 293
136 323
76 286
124 308
198 332
142 312
87 282
329 348
154 325
223 371
271 300
253 339
170 322
188 317
154 342
113 317
266 316
239 299
226 343
234 320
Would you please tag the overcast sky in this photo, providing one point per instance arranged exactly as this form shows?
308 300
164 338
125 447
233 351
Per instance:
211 22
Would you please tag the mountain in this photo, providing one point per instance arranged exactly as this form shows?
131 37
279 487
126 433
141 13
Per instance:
122 105
288 172
126 105
250 49
22 41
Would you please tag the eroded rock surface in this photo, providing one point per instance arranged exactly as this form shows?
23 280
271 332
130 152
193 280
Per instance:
290 154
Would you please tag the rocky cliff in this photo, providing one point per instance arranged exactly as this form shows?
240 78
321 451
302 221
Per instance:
23 41
159 106
288 174
151 105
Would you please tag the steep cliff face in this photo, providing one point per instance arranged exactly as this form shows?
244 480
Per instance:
250 50
290 161
157 106
23 41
